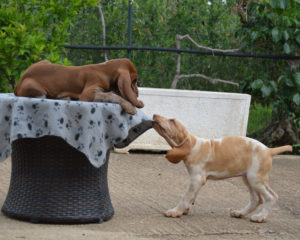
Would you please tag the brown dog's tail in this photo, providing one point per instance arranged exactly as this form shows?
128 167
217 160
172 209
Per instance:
16 89
286 148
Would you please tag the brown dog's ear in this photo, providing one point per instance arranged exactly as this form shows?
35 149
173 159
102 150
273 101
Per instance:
126 90
180 152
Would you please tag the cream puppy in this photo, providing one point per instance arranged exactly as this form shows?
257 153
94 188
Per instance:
219 159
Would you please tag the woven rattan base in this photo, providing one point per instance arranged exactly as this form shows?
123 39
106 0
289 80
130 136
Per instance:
53 182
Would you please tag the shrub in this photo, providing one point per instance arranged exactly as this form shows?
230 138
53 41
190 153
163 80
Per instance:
32 30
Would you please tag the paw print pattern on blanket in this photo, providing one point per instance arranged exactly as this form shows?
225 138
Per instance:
92 128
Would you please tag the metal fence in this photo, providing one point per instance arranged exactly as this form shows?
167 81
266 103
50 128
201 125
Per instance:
157 65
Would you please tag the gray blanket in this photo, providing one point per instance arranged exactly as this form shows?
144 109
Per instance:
92 128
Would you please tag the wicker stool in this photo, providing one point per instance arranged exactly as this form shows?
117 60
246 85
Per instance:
53 182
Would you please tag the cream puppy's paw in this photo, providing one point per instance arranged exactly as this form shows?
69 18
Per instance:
236 214
173 213
258 218
186 211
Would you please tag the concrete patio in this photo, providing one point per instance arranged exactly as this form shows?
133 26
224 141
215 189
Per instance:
143 186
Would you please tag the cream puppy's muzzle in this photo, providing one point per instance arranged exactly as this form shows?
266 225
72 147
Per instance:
166 128
176 135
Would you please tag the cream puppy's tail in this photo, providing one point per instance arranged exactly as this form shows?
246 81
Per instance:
286 148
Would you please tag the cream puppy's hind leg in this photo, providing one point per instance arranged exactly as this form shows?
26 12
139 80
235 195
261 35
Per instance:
254 202
183 207
272 192
259 182
269 201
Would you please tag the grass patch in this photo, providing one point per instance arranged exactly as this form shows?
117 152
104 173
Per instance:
259 117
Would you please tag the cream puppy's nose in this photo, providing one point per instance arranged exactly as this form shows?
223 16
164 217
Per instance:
156 117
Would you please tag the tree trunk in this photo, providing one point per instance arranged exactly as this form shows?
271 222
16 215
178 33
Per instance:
278 133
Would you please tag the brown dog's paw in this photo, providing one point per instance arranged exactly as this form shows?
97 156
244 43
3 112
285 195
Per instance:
140 104
129 108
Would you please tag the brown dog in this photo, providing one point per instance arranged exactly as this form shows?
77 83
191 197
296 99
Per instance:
218 159
112 81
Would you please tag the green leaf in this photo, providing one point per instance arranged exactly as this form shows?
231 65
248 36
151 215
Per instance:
266 91
296 98
296 77
273 3
281 79
254 35
286 35
298 37
8 70
274 85
286 48
289 82
275 35
257 84
283 4
244 44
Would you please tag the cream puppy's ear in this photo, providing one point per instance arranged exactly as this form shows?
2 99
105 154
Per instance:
180 152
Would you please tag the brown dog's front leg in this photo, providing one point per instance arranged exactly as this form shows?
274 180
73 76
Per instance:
98 95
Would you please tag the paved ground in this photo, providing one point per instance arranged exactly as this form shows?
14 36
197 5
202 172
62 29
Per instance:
143 186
